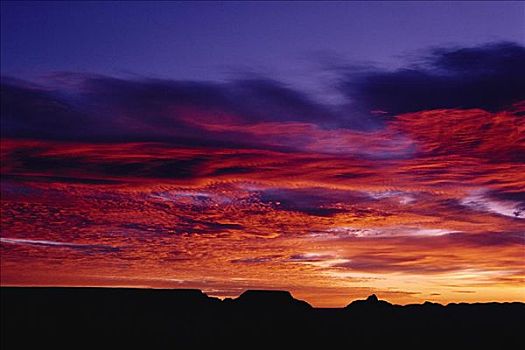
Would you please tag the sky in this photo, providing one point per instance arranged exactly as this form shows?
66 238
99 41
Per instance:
330 149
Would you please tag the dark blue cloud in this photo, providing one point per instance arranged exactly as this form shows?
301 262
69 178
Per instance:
101 108
30 111
490 77
109 109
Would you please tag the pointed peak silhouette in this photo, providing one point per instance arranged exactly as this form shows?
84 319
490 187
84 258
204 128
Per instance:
372 299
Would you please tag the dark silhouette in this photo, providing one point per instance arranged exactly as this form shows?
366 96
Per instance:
150 318
268 299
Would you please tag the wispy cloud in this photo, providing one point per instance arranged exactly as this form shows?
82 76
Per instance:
46 243
478 200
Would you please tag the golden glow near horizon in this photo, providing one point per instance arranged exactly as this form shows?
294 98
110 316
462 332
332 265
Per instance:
424 209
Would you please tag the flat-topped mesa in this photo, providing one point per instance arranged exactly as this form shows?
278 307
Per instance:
159 297
182 294
270 298
188 294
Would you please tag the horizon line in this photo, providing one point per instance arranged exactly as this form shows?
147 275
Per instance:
222 298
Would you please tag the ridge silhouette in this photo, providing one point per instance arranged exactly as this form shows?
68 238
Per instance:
151 318
269 299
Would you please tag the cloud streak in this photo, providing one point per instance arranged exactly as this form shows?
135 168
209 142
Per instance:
57 244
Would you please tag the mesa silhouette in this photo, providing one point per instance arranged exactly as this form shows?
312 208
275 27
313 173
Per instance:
153 318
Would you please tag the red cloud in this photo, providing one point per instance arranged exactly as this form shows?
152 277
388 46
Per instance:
437 209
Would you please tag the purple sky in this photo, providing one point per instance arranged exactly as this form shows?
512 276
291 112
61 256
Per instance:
214 41
331 149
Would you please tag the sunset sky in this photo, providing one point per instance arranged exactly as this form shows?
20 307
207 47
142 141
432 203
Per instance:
330 149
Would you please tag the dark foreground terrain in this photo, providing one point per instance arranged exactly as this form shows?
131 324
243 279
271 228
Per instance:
100 318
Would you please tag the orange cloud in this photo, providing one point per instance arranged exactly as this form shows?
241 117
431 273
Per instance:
428 207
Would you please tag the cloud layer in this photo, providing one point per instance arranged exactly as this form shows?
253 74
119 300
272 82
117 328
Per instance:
417 177
490 77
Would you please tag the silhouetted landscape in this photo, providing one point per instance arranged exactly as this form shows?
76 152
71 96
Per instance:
325 150
154 318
